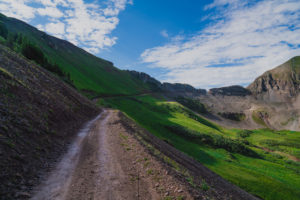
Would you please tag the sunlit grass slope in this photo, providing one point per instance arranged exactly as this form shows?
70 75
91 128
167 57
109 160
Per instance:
91 75
267 175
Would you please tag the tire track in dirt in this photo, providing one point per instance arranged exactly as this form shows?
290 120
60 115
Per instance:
101 164
55 187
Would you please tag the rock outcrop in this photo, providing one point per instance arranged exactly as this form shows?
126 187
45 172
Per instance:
174 88
278 84
182 88
234 90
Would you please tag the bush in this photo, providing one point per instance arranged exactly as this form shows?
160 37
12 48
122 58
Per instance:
244 133
233 116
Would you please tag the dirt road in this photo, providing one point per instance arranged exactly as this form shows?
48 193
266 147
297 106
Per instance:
105 162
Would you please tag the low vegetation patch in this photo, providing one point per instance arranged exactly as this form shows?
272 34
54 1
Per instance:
194 105
233 116
259 117
244 133
213 140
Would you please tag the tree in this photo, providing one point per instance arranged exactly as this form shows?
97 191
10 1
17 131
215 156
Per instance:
3 30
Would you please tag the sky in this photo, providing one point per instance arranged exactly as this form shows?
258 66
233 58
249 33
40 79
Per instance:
205 43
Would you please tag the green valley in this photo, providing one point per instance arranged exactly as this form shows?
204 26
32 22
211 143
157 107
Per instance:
269 175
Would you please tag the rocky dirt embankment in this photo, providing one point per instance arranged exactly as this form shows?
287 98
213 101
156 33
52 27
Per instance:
39 114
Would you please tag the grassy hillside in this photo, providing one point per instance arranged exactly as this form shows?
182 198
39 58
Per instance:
91 75
236 155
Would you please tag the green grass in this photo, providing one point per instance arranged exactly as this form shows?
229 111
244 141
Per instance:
270 176
257 119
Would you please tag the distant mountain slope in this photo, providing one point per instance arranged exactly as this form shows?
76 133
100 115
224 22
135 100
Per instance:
271 101
38 115
234 90
280 83
90 74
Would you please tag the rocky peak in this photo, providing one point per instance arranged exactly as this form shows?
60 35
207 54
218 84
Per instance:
283 80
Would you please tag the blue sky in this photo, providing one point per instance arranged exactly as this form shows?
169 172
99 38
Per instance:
146 24
206 44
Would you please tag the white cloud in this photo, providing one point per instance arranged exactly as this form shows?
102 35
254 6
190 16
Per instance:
57 29
164 33
88 25
50 12
247 39
17 8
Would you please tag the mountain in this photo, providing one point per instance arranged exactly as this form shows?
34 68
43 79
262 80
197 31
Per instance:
279 84
272 100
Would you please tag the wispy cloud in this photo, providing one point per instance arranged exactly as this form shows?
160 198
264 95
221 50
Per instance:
164 33
244 41
88 25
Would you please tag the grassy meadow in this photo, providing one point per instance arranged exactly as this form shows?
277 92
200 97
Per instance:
236 155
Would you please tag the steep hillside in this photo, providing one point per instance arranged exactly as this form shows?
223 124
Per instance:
39 114
91 75
279 84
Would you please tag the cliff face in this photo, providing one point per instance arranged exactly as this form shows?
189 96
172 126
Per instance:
182 88
234 90
278 84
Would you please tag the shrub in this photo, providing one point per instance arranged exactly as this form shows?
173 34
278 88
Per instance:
204 186
244 133
233 116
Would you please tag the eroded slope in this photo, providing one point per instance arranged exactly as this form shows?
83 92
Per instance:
38 115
